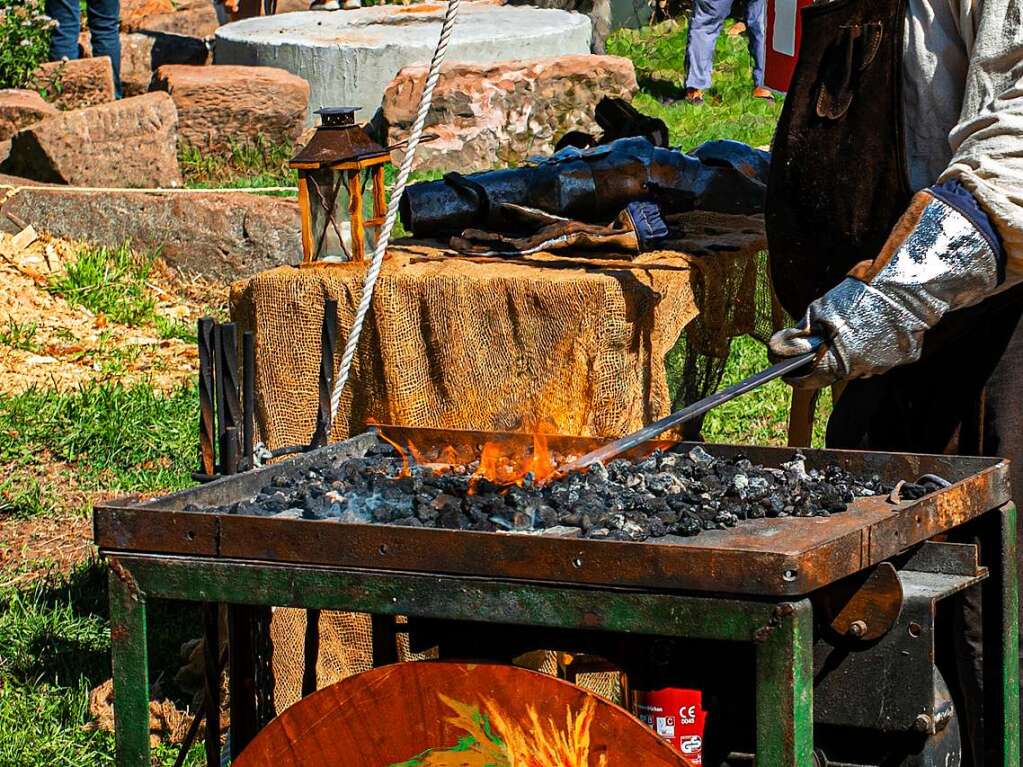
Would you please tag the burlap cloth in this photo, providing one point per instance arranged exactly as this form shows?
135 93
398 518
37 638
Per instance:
575 345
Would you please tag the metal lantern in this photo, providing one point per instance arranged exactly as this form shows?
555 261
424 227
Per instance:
340 190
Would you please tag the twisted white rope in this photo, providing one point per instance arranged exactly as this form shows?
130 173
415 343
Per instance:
392 209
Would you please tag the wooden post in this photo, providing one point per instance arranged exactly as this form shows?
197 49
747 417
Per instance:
801 415
305 211
379 193
355 215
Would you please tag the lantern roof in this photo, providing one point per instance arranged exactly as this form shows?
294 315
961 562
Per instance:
338 139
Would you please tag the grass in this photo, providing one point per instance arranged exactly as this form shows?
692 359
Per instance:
129 439
56 648
25 497
658 53
20 335
760 417
111 282
262 163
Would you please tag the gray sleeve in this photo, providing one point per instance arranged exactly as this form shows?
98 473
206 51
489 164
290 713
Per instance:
988 140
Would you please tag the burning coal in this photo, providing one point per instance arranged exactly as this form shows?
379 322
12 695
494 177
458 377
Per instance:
676 492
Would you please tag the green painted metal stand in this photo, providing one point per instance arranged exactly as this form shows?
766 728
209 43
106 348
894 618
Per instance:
782 631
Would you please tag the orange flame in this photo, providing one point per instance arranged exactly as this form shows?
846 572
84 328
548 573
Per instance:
503 469
406 471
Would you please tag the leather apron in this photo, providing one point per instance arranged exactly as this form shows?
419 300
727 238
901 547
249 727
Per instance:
838 179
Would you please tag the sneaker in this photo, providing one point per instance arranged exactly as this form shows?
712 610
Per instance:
324 5
694 96
760 92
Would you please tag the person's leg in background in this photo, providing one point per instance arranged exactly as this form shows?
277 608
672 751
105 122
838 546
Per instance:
64 41
704 27
756 33
104 22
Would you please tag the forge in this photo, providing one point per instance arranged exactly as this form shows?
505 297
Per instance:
832 608
349 57
512 483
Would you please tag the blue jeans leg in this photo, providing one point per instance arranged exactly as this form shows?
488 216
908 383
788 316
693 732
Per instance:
64 41
756 23
104 22
704 27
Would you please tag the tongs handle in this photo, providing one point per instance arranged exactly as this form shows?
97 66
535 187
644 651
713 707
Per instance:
606 452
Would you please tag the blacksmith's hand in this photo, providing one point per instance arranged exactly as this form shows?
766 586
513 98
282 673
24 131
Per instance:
942 255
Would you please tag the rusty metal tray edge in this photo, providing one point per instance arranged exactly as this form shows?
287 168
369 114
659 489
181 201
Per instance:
160 527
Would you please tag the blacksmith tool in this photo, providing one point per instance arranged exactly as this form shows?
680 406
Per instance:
609 451
207 408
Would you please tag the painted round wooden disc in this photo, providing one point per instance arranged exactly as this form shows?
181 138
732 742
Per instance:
441 714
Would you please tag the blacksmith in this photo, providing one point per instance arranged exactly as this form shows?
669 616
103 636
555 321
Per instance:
895 219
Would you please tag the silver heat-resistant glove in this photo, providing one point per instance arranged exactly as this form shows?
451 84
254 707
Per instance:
942 255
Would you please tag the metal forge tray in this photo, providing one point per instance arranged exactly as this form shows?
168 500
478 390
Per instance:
768 557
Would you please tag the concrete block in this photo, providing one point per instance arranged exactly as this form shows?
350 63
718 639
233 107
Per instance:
349 57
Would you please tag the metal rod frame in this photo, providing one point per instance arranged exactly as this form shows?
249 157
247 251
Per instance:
782 631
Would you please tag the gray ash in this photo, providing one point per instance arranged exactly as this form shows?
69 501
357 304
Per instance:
678 492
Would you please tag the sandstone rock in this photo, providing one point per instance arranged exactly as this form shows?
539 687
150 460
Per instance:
221 236
21 108
221 104
132 142
77 83
144 52
135 12
198 21
493 115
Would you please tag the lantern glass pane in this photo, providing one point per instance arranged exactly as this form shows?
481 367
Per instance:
370 210
328 201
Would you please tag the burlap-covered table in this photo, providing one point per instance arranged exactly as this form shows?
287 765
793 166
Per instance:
567 345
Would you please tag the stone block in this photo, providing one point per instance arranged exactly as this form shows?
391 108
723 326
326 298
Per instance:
349 58
135 12
21 108
220 105
142 53
490 116
221 236
198 21
76 83
132 142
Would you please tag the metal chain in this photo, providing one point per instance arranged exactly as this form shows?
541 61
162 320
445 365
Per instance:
392 209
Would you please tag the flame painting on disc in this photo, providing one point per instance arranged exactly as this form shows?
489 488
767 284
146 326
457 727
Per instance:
441 714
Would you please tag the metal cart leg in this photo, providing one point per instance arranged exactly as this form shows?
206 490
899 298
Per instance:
1008 636
130 668
785 688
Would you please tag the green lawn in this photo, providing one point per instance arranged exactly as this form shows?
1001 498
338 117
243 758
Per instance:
54 634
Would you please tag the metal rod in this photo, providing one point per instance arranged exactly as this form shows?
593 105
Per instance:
230 459
218 382
328 341
211 641
249 398
197 719
264 675
207 414
231 393
241 676
606 452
